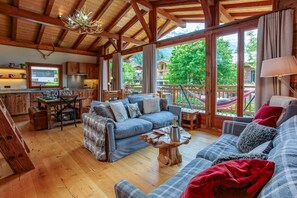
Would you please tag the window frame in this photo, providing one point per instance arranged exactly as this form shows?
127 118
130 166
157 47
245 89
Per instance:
29 74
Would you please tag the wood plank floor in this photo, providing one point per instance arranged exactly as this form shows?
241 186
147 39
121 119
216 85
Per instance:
64 168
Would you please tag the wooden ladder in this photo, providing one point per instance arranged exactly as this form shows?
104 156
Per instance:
12 146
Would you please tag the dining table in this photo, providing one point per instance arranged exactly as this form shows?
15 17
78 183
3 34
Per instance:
50 102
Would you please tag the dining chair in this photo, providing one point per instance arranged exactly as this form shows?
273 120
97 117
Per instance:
67 106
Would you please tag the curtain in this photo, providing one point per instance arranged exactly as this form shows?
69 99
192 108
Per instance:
117 71
103 76
149 84
275 39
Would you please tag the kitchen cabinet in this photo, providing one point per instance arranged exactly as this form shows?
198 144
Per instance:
76 68
16 104
92 71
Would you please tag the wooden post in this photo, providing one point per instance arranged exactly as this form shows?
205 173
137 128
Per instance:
240 73
153 24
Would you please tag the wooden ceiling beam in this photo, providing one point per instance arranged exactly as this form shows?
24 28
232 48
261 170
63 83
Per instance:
163 13
225 16
79 5
121 14
246 14
7 41
207 13
130 23
104 6
113 44
50 21
211 12
48 9
167 31
168 3
141 19
14 25
190 16
249 4
191 9
94 44
163 27
171 17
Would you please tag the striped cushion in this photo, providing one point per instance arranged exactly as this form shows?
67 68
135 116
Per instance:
287 131
225 145
175 186
284 180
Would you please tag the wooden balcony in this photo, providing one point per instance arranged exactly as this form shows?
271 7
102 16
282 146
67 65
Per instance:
196 95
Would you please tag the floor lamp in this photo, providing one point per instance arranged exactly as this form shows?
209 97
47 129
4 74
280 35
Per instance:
279 67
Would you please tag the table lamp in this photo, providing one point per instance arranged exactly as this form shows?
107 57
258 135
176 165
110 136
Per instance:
279 67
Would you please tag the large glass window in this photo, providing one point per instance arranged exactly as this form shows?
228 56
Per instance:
226 97
181 74
44 75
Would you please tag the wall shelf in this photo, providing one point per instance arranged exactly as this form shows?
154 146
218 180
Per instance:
13 78
9 68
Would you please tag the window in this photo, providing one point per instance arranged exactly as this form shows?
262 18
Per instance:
45 75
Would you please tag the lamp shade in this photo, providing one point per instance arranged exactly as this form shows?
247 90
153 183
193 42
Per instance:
282 66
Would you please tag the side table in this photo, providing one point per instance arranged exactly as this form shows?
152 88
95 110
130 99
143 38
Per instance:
190 118
168 150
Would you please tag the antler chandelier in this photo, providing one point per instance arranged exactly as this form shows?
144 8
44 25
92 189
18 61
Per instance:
82 22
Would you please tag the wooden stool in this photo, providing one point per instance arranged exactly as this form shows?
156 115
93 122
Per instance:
190 118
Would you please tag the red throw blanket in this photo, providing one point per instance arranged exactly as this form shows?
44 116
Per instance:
235 178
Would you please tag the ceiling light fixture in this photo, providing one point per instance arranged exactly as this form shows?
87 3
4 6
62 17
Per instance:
82 22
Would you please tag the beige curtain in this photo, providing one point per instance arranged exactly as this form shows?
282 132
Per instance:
117 73
103 76
149 84
275 39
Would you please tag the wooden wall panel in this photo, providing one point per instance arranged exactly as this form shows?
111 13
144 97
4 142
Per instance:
27 31
50 35
123 21
70 39
85 44
62 8
5 24
33 6
112 11
136 26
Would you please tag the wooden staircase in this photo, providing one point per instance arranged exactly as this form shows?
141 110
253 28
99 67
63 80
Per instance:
12 146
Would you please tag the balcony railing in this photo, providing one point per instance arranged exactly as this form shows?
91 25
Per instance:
196 96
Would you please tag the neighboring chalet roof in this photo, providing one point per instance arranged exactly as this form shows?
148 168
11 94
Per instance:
28 23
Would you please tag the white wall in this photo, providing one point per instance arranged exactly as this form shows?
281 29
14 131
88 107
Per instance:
17 55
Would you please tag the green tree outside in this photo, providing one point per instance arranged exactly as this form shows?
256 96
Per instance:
187 64
129 73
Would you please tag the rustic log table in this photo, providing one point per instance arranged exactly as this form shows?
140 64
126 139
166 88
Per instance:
168 150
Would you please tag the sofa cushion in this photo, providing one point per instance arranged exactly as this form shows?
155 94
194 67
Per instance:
131 127
284 180
243 156
119 111
287 131
160 119
253 135
163 104
290 112
104 110
139 99
268 115
224 145
236 178
151 105
175 186
133 110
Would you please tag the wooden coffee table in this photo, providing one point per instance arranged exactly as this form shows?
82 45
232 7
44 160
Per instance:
168 150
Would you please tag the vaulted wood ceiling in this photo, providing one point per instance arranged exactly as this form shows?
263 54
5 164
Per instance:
30 23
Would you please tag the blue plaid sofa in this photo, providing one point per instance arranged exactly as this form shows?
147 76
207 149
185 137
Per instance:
284 153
